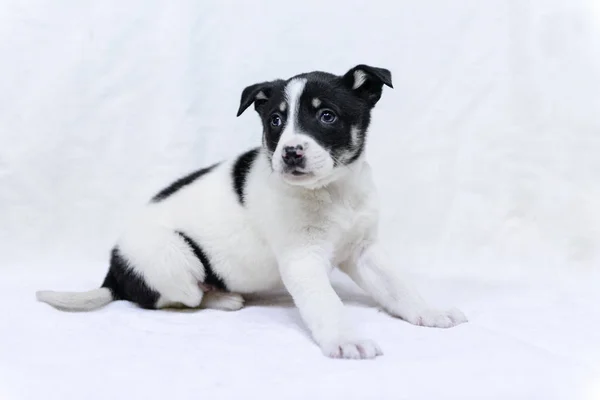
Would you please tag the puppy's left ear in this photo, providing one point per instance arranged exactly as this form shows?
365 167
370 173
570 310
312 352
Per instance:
258 94
367 82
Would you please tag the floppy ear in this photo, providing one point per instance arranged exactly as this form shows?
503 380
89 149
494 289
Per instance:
367 82
258 93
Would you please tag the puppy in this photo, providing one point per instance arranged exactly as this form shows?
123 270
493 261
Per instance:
286 213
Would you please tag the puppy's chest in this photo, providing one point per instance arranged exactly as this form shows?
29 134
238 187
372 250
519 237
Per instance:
345 220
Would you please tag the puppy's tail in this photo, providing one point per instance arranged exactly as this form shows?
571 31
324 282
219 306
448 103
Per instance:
76 301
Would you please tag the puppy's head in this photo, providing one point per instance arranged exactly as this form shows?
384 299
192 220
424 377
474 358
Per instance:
315 124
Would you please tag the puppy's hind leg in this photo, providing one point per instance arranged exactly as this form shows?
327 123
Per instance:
222 301
166 263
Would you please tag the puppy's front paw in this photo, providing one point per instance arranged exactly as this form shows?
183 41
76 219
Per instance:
436 318
352 349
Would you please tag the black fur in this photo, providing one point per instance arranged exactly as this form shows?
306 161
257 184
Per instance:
269 108
250 93
352 108
240 170
182 182
371 89
211 278
125 284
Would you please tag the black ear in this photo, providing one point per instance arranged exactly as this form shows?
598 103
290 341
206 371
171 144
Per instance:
259 93
368 81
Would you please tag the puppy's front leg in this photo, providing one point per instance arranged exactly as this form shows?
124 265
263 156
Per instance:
305 275
372 271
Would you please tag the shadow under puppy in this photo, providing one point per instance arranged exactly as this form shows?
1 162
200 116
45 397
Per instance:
285 213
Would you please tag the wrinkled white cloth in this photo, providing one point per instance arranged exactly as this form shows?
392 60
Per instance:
485 154
521 342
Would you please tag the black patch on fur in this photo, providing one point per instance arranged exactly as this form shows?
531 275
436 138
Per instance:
372 85
181 183
350 109
125 284
336 93
241 168
250 94
266 108
210 278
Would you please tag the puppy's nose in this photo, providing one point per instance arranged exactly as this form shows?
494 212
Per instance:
293 155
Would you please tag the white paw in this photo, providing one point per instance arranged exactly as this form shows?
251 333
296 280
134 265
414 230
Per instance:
436 318
222 301
352 349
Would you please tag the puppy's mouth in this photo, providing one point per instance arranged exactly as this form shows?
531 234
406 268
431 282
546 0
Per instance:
295 170
296 174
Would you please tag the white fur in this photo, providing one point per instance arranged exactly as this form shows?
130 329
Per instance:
316 102
74 301
359 78
354 143
293 91
284 234
261 96
222 301
354 131
287 233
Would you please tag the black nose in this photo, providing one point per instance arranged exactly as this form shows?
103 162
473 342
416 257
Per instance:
293 155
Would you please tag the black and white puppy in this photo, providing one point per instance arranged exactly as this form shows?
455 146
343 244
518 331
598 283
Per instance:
285 213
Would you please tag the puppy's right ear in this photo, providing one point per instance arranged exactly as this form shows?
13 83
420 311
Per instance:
258 94
367 82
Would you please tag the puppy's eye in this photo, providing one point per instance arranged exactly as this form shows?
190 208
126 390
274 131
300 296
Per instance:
276 120
327 116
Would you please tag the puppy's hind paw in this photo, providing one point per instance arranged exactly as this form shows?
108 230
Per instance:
222 301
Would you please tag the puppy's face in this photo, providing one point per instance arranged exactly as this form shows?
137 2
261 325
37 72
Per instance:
315 124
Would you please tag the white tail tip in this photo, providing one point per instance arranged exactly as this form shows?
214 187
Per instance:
76 301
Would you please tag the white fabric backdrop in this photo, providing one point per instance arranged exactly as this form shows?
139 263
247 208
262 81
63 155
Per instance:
487 155
486 152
